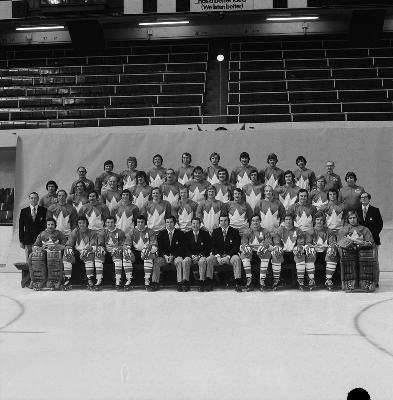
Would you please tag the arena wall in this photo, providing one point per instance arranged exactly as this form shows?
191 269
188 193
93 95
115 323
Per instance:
365 148
7 168
362 147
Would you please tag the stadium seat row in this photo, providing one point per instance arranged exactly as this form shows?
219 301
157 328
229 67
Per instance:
69 52
100 113
106 69
332 96
91 90
306 108
260 53
102 60
104 101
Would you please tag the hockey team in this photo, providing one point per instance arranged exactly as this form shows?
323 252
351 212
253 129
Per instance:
205 221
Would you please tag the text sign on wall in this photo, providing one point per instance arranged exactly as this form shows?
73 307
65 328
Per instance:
221 5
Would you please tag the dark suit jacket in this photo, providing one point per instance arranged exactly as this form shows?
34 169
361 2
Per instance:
29 229
202 247
373 221
176 249
231 245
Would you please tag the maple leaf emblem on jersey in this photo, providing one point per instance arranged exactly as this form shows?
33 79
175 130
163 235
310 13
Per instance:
140 244
197 196
157 181
252 199
242 180
304 222
213 180
184 179
287 201
289 245
81 245
334 221
355 236
237 218
269 220
256 242
95 221
111 204
78 206
171 197
222 197
129 183
141 200
62 222
321 244
156 220
111 241
125 223
303 183
271 181
319 203
50 242
211 219
185 219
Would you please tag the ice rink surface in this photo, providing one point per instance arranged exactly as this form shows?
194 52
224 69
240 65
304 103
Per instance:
218 345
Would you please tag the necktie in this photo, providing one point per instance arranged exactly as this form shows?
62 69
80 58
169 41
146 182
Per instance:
170 237
224 234
33 213
196 237
364 213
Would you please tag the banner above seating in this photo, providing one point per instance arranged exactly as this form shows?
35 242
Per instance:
222 5
173 6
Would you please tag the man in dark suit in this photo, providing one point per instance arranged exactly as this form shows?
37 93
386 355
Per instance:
371 218
225 249
31 224
196 249
171 249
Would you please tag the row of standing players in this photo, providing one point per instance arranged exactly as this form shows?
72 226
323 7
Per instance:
172 198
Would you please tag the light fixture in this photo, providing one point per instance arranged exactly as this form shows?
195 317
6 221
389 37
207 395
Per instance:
39 28
220 57
290 18
163 23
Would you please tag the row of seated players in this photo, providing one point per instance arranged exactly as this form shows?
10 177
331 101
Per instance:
270 209
197 179
197 248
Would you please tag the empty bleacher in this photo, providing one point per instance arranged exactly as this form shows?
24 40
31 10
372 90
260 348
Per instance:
269 80
311 80
136 85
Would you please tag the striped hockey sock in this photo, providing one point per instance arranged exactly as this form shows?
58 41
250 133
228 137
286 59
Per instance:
67 268
148 267
89 265
276 270
263 269
99 270
128 268
330 268
300 269
247 267
310 268
118 271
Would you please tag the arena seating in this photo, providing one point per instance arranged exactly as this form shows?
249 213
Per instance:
6 206
309 80
269 80
138 85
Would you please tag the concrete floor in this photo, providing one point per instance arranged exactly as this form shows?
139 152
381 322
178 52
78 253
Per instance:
219 345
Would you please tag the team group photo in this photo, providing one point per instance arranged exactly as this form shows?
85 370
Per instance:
203 226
